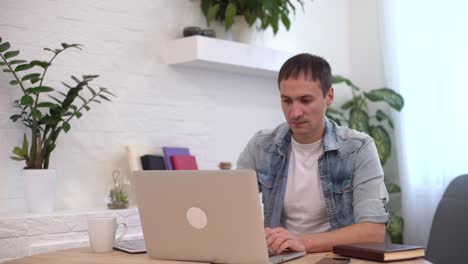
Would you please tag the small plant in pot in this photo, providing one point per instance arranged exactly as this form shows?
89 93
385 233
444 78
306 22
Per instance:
46 113
269 13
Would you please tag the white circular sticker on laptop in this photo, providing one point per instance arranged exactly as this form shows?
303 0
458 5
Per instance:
197 218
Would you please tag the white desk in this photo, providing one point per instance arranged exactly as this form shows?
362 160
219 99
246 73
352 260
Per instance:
85 255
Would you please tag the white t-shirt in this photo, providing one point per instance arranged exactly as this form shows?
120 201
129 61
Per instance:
304 208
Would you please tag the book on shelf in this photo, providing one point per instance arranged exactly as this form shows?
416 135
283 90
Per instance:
152 162
182 162
379 251
171 151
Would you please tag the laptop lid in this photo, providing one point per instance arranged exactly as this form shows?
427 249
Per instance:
207 216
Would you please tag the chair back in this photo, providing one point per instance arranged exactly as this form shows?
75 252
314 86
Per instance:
448 240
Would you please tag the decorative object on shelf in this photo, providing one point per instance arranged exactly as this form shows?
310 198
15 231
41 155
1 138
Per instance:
357 115
191 31
197 31
224 165
118 198
208 33
45 118
269 13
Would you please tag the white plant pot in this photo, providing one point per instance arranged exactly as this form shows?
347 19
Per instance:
39 189
241 31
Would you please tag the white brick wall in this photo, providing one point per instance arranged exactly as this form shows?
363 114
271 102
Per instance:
33 234
212 113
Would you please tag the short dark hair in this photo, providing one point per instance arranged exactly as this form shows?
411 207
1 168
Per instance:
314 66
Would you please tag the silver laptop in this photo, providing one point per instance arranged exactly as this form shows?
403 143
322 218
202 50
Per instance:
204 216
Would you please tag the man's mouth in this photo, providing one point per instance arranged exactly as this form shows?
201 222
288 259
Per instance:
297 123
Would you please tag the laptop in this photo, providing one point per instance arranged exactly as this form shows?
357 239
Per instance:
203 216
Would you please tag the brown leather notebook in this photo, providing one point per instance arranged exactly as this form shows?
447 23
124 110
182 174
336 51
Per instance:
379 251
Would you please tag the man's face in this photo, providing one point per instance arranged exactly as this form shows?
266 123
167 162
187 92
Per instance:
304 107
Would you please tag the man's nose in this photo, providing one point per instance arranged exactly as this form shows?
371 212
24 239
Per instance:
295 111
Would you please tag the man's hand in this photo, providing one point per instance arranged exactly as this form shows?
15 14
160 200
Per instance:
280 240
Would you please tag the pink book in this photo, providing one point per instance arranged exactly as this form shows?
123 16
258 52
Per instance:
184 162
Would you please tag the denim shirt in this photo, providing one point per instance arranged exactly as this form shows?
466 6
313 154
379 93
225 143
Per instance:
350 173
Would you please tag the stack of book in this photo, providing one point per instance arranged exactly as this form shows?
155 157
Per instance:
173 158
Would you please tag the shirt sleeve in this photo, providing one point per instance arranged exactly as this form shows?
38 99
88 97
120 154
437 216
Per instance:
370 195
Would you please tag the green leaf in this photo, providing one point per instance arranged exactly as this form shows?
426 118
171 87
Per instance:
78 114
19 152
392 98
14 82
15 118
359 120
42 64
392 187
212 12
97 101
67 85
11 54
55 99
86 107
66 46
348 104
93 92
286 21
47 105
75 79
336 79
66 127
229 15
204 5
49 120
51 50
90 77
382 142
249 17
35 80
16 158
334 111
36 114
30 76
26 100
382 116
4 46
104 97
23 67
25 146
40 89
13 62
106 90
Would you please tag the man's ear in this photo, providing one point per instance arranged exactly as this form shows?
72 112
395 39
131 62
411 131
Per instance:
330 96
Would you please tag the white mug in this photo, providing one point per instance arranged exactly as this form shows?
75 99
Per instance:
101 232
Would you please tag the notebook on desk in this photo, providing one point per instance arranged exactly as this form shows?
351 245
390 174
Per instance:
205 216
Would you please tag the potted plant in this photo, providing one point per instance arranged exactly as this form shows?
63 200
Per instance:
46 112
356 114
269 13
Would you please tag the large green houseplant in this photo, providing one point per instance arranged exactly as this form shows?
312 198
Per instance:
45 111
357 114
270 13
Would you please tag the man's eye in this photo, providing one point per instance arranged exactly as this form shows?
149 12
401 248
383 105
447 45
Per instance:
306 100
286 101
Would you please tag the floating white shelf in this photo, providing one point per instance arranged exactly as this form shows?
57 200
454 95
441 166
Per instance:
211 53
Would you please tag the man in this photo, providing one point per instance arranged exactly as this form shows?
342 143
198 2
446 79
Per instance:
322 184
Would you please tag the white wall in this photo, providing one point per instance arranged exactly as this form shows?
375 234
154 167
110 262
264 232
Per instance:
212 113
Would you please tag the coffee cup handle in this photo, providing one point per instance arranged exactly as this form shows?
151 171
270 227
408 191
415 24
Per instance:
124 232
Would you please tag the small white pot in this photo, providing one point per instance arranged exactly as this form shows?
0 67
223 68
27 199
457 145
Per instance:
40 187
241 31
